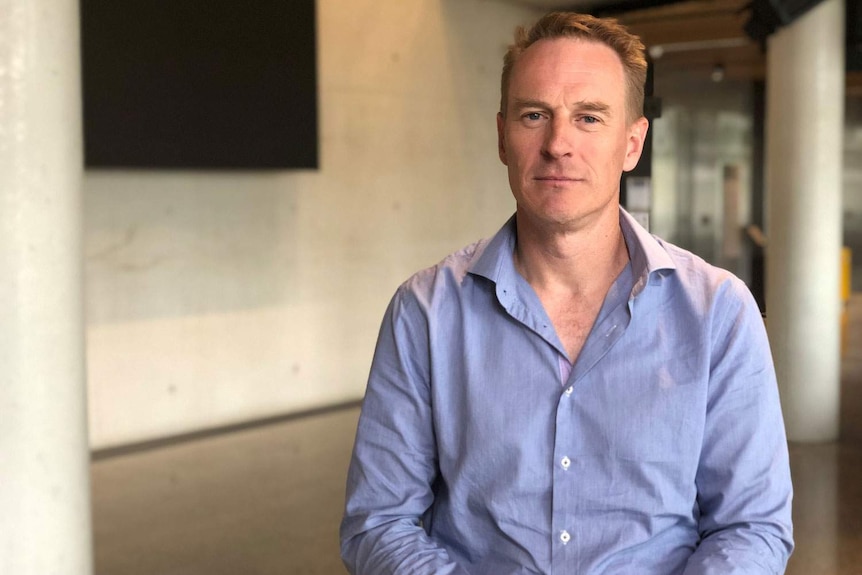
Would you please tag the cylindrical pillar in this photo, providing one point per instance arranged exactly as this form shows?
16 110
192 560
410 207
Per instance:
44 456
805 123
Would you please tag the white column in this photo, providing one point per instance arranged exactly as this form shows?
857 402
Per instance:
44 457
805 122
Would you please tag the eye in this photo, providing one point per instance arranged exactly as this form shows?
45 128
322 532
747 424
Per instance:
534 118
590 119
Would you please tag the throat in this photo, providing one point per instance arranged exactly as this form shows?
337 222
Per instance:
573 294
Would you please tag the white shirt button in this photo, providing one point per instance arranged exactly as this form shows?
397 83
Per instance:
565 537
569 390
565 462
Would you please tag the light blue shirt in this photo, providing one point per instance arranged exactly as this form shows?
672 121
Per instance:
661 451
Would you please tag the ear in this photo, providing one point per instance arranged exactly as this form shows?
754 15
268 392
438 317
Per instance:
635 143
501 138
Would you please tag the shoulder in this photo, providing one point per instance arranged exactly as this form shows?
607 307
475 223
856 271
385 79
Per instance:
442 281
453 267
712 308
682 275
701 290
699 278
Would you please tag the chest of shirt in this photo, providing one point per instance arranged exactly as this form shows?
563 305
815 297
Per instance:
637 395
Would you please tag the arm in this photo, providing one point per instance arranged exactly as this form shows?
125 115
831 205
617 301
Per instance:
394 464
743 479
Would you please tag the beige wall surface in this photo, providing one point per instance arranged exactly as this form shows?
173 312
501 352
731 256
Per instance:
222 297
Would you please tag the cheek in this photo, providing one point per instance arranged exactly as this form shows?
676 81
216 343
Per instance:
522 144
518 159
616 155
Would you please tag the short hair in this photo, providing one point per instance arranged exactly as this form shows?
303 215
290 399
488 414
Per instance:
606 31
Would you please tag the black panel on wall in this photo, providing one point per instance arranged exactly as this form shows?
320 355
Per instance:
199 84
854 35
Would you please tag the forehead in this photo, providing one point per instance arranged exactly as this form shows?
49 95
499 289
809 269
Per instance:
568 63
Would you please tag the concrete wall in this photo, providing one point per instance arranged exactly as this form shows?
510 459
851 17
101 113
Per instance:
216 298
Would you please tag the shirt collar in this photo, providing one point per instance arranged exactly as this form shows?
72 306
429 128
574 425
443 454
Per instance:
647 253
494 257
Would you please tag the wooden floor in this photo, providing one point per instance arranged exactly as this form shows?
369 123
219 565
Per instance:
268 500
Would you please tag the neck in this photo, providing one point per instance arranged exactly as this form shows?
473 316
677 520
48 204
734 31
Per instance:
576 261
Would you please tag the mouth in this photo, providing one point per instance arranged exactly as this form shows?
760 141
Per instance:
556 179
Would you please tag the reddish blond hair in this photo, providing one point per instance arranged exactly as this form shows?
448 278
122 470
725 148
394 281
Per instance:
606 31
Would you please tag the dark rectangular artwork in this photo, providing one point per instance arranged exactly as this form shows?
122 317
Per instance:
854 35
199 84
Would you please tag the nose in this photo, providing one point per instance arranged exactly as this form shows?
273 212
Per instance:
558 138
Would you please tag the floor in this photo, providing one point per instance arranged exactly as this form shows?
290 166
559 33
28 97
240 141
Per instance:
268 499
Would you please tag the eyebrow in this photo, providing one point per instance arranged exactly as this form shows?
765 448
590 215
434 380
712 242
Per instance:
520 103
599 107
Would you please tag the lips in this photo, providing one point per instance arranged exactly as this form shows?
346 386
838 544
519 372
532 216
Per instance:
555 178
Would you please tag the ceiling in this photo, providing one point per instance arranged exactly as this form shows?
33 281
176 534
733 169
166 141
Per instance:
695 37
698 36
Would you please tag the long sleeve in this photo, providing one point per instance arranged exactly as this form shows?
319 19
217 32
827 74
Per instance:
743 479
394 463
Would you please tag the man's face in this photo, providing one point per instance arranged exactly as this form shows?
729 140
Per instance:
565 137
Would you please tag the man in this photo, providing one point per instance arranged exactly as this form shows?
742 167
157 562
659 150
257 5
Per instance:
572 396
